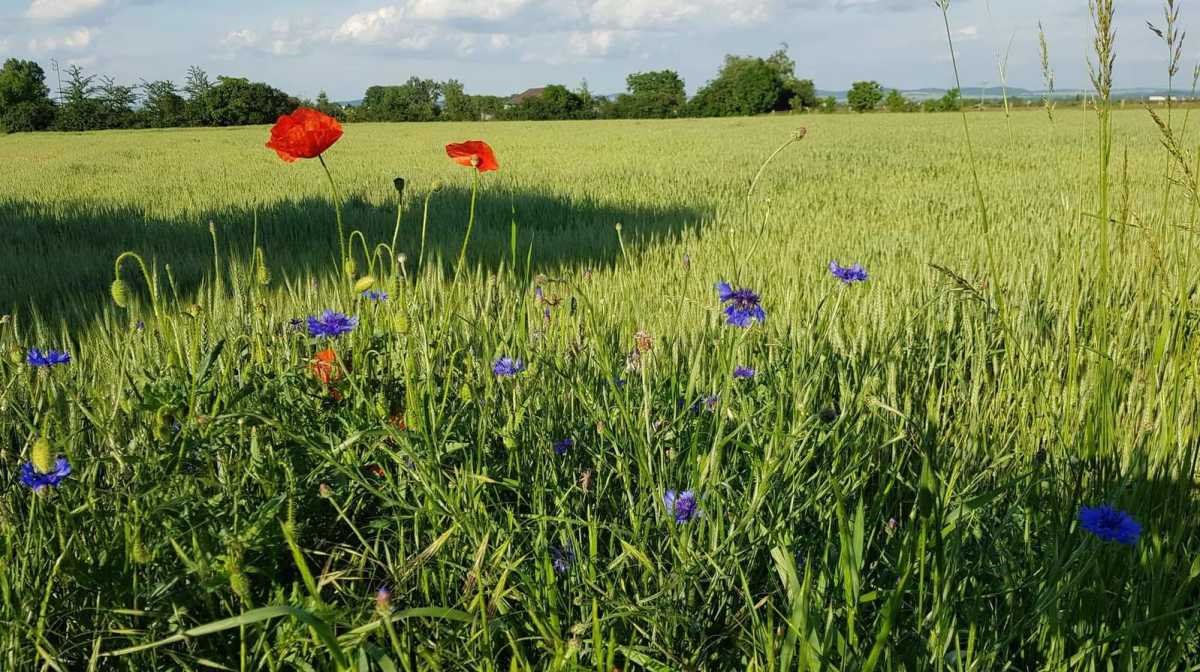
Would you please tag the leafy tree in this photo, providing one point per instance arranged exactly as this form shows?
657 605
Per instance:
115 104
24 98
652 95
197 87
864 96
456 104
415 100
324 106
163 106
828 105
804 95
556 102
951 101
896 102
80 110
235 101
744 86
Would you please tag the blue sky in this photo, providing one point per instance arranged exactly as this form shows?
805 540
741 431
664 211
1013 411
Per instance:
505 46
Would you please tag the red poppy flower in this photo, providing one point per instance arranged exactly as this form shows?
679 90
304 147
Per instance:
325 367
304 134
473 154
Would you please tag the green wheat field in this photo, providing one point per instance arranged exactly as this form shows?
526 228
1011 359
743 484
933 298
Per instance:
897 487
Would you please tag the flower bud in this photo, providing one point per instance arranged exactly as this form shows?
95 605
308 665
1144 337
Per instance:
120 293
350 268
41 455
364 283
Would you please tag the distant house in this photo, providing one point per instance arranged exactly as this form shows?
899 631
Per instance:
536 92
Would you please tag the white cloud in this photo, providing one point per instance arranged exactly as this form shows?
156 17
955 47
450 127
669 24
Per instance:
60 10
76 40
286 38
967 33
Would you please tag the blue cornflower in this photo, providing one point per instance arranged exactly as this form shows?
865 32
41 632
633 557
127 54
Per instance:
742 306
681 505
507 367
848 274
561 558
47 359
619 382
375 295
331 324
1110 524
561 447
743 372
32 478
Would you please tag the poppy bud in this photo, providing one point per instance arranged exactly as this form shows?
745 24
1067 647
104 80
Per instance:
120 293
399 184
364 283
41 456
16 355
325 491
350 268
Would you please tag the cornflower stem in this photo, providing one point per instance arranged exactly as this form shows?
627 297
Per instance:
337 209
462 254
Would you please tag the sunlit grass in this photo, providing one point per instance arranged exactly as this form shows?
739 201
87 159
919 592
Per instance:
897 486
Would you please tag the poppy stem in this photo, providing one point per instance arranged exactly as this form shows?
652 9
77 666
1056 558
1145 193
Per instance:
462 254
337 209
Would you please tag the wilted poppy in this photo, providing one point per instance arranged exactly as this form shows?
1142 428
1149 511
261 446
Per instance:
473 154
304 134
325 366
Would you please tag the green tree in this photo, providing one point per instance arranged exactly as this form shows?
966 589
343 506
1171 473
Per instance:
556 102
163 107
115 104
864 96
951 101
828 104
896 102
235 101
652 95
415 100
744 86
797 94
325 106
24 98
80 110
197 87
456 104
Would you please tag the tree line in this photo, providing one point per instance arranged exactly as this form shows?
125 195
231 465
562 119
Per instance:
744 86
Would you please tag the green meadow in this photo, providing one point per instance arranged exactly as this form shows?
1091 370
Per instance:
897 487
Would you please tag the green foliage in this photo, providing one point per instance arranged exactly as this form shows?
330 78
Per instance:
896 102
415 100
235 101
864 96
829 104
658 94
456 104
555 102
744 86
895 489
163 106
24 98
324 105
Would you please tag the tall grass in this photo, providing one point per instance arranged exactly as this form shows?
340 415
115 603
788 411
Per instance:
895 488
